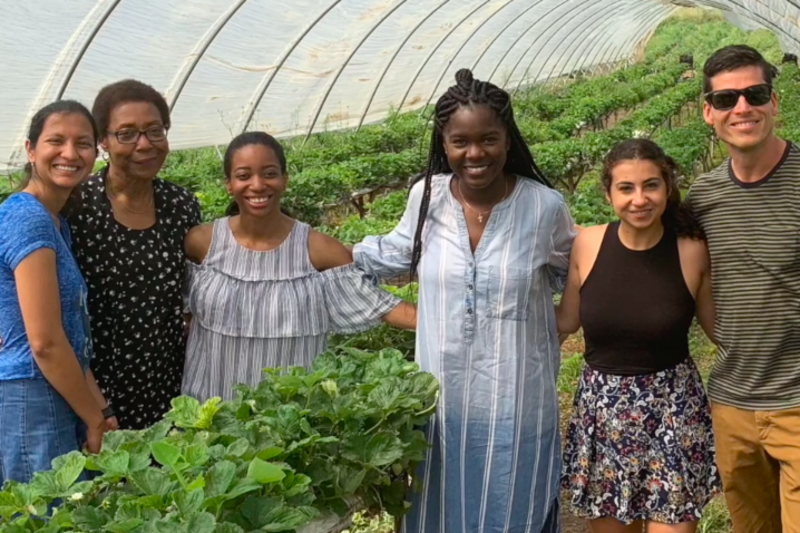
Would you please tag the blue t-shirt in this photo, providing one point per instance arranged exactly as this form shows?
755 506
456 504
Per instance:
26 226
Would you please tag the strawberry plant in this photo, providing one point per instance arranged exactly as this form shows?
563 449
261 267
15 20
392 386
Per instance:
302 443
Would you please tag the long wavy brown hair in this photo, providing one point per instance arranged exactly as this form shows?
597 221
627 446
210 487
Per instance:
677 215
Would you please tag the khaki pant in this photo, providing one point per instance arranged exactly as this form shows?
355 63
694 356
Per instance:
758 456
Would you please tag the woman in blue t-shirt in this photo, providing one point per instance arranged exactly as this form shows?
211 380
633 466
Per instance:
49 403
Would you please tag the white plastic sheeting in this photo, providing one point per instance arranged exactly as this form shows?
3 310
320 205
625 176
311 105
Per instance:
300 66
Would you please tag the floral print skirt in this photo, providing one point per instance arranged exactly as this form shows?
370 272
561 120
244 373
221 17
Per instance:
640 447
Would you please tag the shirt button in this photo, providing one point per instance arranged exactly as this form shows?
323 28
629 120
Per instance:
469 287
469 311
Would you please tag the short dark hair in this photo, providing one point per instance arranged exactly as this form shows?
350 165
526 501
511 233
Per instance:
250 138
677 215
122 92
59 107
734 57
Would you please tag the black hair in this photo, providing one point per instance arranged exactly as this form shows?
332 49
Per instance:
122 92
734 57
249 138
469 91
59 107
677 216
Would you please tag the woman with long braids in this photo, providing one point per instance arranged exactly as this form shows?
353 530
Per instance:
488 238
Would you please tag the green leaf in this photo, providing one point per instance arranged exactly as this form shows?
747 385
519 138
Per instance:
124 526
185 412
218 478
269 453
238 448
287 519
256 511
89 518
157 431
152 482
112 440
168 525
207 412
114 463
227 527
353 481
197 454
128 510
295 484
46 484
165 453
68 469
264 472
201 523
189 502
198 483
242 486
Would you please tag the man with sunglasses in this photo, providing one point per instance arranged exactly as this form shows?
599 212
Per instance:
748 208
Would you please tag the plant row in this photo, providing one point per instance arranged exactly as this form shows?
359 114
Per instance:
302 444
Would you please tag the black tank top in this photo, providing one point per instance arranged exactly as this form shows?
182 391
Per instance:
636 309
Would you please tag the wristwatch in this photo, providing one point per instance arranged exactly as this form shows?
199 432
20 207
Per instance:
108 412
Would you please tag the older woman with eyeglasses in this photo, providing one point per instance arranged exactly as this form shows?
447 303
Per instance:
128 228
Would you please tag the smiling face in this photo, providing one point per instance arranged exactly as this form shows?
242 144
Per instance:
744 127
256 181
145 158
638 192
476 142
65 151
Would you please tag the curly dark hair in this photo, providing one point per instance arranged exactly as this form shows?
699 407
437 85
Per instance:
469 91
122 92
677 215
734 57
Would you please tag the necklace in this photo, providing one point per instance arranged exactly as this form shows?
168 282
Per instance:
480 215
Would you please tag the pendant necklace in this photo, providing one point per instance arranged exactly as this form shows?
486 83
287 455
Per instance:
480 215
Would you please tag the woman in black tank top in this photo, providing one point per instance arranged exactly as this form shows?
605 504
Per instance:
639 445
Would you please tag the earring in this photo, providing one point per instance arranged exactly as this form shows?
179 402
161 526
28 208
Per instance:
105 156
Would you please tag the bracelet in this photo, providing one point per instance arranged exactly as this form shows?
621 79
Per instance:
108 412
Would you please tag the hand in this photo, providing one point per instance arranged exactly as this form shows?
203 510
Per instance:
562 337
112 424
94 437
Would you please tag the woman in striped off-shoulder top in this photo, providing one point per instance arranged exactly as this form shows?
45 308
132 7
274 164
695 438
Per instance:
266 289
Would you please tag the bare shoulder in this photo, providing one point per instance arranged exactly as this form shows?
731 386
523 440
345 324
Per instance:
198 241
586 249
325 252
589 239
693 250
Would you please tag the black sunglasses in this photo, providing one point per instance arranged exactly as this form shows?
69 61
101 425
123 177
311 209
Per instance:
728 98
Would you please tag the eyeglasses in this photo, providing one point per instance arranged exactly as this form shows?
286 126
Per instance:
728 98
131 136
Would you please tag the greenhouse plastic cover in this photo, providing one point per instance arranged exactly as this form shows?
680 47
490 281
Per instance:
293 67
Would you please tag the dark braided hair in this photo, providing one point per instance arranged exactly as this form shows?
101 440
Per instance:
677 216
466 92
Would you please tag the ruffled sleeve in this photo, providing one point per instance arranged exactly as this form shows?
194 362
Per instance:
353 299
